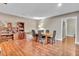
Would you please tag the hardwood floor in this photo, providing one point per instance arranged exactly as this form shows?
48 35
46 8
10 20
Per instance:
69 46
32 48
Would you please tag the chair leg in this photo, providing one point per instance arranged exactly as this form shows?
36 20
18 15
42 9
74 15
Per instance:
52 41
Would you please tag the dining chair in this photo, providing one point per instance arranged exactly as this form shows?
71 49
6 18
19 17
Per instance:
40 38
47 31
53 37
33 34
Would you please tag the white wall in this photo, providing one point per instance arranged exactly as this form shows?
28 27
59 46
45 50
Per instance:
55 23
77 41
71 27
29 23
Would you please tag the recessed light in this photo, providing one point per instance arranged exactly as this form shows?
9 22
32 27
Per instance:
59 4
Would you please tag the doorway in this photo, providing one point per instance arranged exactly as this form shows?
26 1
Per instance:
69 35
69 30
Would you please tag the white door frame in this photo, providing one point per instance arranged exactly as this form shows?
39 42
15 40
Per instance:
65 19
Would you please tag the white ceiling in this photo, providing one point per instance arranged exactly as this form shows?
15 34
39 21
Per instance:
38 9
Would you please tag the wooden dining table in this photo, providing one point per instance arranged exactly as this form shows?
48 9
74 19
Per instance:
46 35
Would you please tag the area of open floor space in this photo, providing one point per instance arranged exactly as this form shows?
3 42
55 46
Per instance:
32 48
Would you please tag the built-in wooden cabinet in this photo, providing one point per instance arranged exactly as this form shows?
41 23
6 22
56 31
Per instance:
20 31
10 32
20 26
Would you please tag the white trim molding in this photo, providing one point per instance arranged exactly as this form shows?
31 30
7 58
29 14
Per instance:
77 43
71 35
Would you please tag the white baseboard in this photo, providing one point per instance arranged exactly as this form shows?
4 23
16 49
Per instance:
71 35
59 39
76 42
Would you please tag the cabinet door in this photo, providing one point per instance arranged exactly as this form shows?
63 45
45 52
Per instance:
20 26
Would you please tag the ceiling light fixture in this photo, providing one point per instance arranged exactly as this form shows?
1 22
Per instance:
41 24
38 18
59 4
